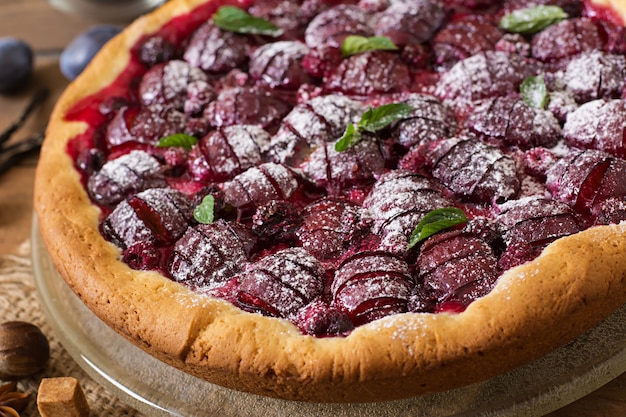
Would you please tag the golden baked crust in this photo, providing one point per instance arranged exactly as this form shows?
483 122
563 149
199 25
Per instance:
576 282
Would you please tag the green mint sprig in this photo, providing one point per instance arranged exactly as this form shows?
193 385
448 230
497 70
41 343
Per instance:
532 20
534 92
355 44
373 120
178 139
436 221
234 19
205 212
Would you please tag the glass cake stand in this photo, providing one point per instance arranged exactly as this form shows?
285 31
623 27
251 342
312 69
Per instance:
157 389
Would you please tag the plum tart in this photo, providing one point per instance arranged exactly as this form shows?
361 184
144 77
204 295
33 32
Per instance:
345 201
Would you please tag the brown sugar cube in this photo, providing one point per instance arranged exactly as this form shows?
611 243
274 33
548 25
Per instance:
61 397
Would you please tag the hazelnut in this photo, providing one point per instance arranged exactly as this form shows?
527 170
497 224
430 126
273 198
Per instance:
24 349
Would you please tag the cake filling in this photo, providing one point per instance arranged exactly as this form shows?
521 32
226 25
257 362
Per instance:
334 162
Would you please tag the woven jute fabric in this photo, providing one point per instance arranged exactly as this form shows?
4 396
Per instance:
19 301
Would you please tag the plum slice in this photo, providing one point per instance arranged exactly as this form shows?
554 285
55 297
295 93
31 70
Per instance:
215 50
159 215
319 120
207 255
168 84
484 75
596 75
511 121
464 37
322 320
396 204
586 178
529 224
279 65
598 124
246 106
333 25
281 284
566 39
368 73
457 267
121 177
329 226
259 185
408 22
475 171
226 152
371 285
430 120
338 171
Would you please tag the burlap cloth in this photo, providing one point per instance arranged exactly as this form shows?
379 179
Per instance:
19 301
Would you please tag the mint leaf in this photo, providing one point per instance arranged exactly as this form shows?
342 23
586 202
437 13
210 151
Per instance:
436 221
204 212
376 119
532 19
234 19
534 92
350 138
355 44
373 120
178 139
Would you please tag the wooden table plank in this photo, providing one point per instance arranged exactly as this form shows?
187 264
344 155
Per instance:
16 185
40 25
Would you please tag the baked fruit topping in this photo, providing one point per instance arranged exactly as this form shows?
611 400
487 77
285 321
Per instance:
279 179
340 164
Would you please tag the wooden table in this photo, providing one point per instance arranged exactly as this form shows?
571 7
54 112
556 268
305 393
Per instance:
48 31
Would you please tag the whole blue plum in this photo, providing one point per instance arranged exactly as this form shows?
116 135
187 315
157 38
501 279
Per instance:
16 64
78 53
